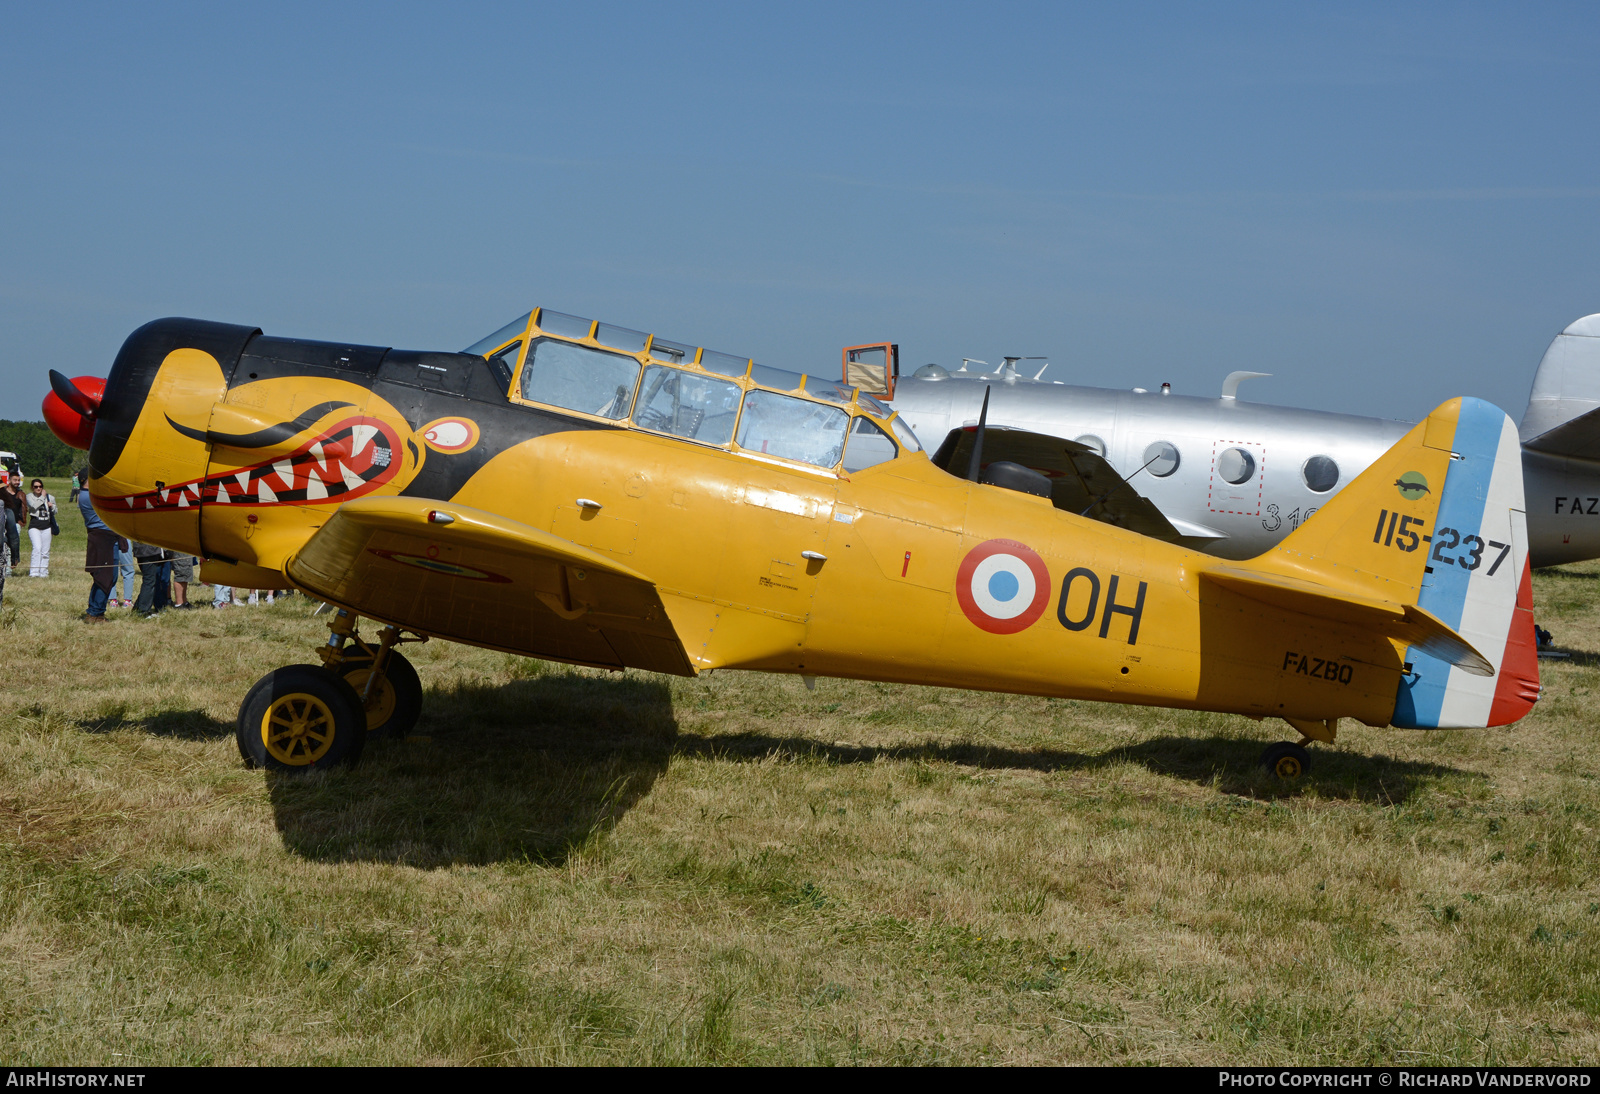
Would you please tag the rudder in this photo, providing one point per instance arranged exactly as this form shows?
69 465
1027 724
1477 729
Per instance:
1479 583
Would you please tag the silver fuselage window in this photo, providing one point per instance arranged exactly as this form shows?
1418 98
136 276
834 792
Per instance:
687 404
1321 474
579 378
1161 459
793 429
1236 466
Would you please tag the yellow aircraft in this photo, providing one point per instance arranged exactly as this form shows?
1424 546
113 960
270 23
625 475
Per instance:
585 493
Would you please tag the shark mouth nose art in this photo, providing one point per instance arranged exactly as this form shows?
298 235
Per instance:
350 459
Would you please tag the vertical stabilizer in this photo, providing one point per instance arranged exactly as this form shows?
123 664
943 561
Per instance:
1439 523
1480 584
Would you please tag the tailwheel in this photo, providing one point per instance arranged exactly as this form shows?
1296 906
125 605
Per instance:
301 718
394 701
1285 760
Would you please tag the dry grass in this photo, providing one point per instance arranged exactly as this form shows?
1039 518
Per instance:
581 867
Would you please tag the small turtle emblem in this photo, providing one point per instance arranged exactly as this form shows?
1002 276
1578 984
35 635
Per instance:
1412 485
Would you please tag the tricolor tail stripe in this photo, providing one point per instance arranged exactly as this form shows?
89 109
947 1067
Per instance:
1482 498
1517 685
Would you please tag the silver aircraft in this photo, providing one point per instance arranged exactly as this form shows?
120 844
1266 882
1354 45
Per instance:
1222 475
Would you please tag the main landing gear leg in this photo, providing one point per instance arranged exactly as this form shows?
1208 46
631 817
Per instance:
313 717
390 691
1290 761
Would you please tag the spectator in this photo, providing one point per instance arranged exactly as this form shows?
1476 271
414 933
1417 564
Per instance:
100 561
11 498
5 567
127 570
152 597
41 528
164 580
221 596
182 574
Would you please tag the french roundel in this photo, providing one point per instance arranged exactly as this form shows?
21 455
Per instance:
450 435
1002 586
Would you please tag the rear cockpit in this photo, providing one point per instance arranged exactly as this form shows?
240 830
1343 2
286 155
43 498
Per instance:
639 381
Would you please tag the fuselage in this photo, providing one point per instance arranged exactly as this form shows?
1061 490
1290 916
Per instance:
1300 458
239 447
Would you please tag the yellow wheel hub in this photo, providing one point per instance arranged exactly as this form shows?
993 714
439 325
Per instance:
380 704
1287 767
297 729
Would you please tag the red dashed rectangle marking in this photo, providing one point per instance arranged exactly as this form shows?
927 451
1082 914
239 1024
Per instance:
1259 454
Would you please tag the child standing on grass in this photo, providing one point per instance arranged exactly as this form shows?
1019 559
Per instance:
182 575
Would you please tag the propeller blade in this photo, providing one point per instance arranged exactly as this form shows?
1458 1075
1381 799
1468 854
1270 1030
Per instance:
68 393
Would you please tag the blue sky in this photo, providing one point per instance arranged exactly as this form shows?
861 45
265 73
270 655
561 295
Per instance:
1383 205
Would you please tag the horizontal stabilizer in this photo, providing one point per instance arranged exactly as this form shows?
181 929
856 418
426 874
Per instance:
472 576
1418 628
1560 419
1577 438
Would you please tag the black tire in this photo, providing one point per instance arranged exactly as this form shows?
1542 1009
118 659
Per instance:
1285 760
319 718
396 701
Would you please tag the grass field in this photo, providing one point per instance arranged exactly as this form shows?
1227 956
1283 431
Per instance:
579 867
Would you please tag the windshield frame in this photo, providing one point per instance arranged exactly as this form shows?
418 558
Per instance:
714 365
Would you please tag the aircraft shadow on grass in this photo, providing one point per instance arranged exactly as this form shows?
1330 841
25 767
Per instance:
1586 659
523 772
532 770
185 725
1229 763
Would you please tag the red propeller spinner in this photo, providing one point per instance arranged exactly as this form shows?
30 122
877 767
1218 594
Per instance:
71 407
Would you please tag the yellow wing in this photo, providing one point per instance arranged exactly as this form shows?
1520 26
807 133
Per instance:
471 576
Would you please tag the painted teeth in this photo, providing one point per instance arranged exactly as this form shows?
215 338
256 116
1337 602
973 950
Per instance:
323 464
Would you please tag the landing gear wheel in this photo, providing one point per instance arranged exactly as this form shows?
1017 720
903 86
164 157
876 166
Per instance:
301 718
396 701
1285 760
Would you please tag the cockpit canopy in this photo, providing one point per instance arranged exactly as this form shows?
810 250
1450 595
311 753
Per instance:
700 395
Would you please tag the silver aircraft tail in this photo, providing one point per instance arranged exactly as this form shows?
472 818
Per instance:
1563 416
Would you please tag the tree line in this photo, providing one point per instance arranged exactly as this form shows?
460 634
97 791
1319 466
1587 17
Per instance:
38 450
